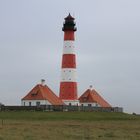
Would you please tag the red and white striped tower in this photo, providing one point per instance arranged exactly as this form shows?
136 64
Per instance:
68 84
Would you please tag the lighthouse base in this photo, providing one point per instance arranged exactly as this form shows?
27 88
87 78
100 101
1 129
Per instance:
71 102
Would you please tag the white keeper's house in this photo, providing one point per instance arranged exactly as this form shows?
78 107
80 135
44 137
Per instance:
92 98
41 94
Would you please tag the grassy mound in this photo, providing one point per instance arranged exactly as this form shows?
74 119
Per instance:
68 126
61 116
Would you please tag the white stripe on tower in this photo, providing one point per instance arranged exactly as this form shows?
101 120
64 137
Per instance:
68 75
68 47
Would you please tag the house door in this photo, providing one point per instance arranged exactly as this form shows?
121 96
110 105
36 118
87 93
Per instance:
37 103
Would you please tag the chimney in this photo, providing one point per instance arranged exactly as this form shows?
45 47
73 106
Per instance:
42 82
90 87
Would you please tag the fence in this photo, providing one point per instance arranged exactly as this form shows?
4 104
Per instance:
61 108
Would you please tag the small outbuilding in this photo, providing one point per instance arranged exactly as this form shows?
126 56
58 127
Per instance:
92 98
41 94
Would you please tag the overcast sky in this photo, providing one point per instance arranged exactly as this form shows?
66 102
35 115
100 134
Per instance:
107 48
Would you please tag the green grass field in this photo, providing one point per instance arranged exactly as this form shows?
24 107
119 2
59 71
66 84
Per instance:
69 126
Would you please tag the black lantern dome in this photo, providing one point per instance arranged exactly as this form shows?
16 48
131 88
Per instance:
69 24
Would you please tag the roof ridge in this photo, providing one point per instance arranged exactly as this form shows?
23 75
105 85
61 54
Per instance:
42 93
51 93
97 94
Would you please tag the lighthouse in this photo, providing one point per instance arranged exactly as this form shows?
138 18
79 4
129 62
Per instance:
68 83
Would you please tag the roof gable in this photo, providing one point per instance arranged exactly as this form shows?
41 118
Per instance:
43 92
92 96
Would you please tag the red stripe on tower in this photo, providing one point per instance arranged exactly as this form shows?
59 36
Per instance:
68 61
68 84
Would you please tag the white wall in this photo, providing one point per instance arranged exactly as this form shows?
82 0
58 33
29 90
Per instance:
92 104
73 102
33 102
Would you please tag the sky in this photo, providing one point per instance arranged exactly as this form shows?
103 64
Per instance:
107 48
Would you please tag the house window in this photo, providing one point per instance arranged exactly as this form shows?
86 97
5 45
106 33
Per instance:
89 104
96 105
37 103
34 94
69 104
24 103
30 104
85 99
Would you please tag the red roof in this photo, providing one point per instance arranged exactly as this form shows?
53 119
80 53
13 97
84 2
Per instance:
43 92
90 96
